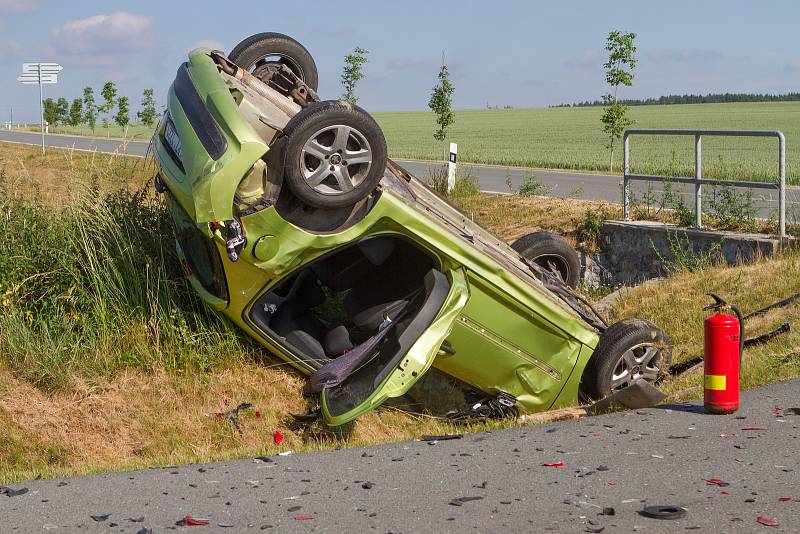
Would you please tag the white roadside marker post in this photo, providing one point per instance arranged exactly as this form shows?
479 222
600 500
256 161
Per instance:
40 73
451 167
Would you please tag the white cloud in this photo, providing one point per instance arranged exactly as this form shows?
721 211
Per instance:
587 58
661 55
12 50
793 65
103 34
10 7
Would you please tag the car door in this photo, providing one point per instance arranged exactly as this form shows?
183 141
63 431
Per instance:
405 356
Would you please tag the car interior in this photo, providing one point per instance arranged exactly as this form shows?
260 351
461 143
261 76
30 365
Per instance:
339 301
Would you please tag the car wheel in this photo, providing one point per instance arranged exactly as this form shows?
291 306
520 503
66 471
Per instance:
552 252
629 350
259 50
335 154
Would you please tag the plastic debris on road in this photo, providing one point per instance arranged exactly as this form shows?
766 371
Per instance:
768 521
278 437
553 464
717 482
189 521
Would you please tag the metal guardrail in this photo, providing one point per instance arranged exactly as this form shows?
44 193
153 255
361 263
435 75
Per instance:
698 180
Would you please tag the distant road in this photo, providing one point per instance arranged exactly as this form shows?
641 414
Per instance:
491 179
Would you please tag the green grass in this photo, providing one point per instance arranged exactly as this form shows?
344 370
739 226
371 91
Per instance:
572 138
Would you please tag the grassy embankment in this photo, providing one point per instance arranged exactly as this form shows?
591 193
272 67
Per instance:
107 360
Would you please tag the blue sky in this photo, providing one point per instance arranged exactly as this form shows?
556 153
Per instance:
519 53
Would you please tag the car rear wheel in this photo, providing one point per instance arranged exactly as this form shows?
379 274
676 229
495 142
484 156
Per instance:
551 252
258 51
335 154
629 350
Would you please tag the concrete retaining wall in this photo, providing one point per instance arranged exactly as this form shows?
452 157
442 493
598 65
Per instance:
635 251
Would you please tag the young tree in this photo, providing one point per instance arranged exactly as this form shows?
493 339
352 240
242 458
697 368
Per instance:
76 112
50 111
441 103
109 93
62 111
352 73
148 114
122 118
89 108
620 47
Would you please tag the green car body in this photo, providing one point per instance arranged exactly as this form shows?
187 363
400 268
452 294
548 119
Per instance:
499 329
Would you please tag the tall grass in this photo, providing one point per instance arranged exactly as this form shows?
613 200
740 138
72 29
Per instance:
94 288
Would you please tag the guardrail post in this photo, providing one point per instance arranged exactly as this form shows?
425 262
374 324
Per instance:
626 169
698 185
782 186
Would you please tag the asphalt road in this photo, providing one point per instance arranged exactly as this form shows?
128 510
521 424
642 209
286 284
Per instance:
623 461
490 178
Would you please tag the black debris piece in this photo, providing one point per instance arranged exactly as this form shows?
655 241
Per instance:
443 437
136 519
62 484
793 411
225 525
602 468
145 531
608 510
365 455
780 304
461 500
663 512
368 485
265 459
678 437
11 492
763 338
482 485
595 528
295 508
100 518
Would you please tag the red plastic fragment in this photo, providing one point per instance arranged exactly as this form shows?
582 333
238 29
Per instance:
727 436
258 414
190 521
784 499
611 483
777 411
278 437
768 521
303 518
555 464
755 428
717 482
724 493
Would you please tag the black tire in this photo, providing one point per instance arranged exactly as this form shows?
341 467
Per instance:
552 252
277 47
636 336
340 183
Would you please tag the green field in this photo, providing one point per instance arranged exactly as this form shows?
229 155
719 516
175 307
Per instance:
137 132
572 138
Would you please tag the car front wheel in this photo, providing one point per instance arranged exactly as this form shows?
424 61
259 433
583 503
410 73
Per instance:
628 350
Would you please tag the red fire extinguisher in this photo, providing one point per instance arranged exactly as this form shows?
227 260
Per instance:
724 343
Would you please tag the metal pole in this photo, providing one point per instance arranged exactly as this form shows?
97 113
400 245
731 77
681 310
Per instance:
626 198
782 186
698 186
41 105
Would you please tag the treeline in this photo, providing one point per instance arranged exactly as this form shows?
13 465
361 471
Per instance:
714 98
86 111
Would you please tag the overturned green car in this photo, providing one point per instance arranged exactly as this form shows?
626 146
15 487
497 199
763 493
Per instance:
292 222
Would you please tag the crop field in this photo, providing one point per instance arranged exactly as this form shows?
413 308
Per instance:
572 138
